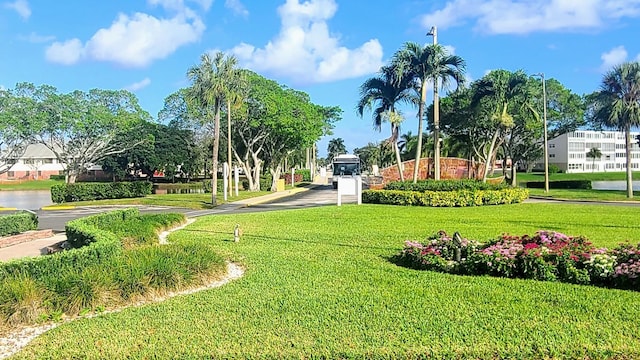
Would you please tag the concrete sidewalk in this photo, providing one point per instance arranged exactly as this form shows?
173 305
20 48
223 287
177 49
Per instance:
39 247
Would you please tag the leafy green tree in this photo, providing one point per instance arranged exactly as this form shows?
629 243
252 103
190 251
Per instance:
12 139
423 64
594 153
383 92
336 147
617 105
80 128
210 81
500 96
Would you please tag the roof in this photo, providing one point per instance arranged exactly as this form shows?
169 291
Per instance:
38 151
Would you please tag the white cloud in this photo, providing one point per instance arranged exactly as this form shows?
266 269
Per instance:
138 85
36 38
137 40
178 5
306 52
526 16
21 7
2 87
237 7
67 53
613 57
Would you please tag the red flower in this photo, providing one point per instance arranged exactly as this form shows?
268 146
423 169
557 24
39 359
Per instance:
530 246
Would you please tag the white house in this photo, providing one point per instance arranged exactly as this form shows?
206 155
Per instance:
569 151
37 162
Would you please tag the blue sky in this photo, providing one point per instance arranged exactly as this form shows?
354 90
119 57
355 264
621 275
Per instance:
326 48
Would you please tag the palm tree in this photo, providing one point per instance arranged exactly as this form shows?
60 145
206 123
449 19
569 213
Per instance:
594 153
421 64
209 86
335 148
617 105
384 92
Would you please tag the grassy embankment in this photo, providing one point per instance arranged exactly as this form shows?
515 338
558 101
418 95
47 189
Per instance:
318 283
580 194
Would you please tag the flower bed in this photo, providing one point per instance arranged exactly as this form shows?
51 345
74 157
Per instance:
547 255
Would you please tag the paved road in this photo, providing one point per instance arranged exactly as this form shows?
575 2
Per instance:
317 195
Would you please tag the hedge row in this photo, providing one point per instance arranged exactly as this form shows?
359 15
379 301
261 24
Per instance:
17 223
445 198
97 191
93 245
563 184
443 185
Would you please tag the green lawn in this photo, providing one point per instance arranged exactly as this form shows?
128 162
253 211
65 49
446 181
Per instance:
595 176
191 201
318 284
30 185
583 194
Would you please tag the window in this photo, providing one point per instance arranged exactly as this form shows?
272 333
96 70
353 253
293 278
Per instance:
620 146
575 166
552 146
577 156
11 174
552 155
609 166
608 147
48 161
576 146
591 145
620 155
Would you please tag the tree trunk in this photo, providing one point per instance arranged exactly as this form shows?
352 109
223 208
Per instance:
396 150
514 171
256 172
489 156
229 158
216 149
423 99
436 131
275 175
627 136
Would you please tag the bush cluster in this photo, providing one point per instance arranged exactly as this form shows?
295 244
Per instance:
443 185
97 191
265 182
456 198
57 177
206 185
306 174
18 222
100 272
562 184
547 256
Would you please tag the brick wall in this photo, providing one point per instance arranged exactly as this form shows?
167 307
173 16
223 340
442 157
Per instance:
450 168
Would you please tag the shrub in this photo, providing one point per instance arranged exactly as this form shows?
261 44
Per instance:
443 185
18 222
445 198
265 183
306 174
563 184
58 177
547 256
206 185
554 169
97 191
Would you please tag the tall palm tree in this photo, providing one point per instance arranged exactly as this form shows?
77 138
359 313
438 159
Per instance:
384 92
594 153
335 148
617 105
209 86
423 64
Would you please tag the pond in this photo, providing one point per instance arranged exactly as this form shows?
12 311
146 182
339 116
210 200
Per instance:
614 185
31 200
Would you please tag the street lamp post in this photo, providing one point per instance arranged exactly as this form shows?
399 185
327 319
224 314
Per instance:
436 115
544 120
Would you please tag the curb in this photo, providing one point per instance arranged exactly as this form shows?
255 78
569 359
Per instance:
585 200
53 207
8 209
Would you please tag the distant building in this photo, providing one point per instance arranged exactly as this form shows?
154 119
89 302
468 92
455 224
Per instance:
37 163
569 151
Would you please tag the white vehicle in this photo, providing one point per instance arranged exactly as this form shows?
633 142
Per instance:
345 165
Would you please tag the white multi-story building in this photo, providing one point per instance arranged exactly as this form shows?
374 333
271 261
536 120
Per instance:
569 151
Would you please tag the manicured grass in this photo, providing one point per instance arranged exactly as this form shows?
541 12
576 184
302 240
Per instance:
191 201
30 185
583 194
318 283
594 176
